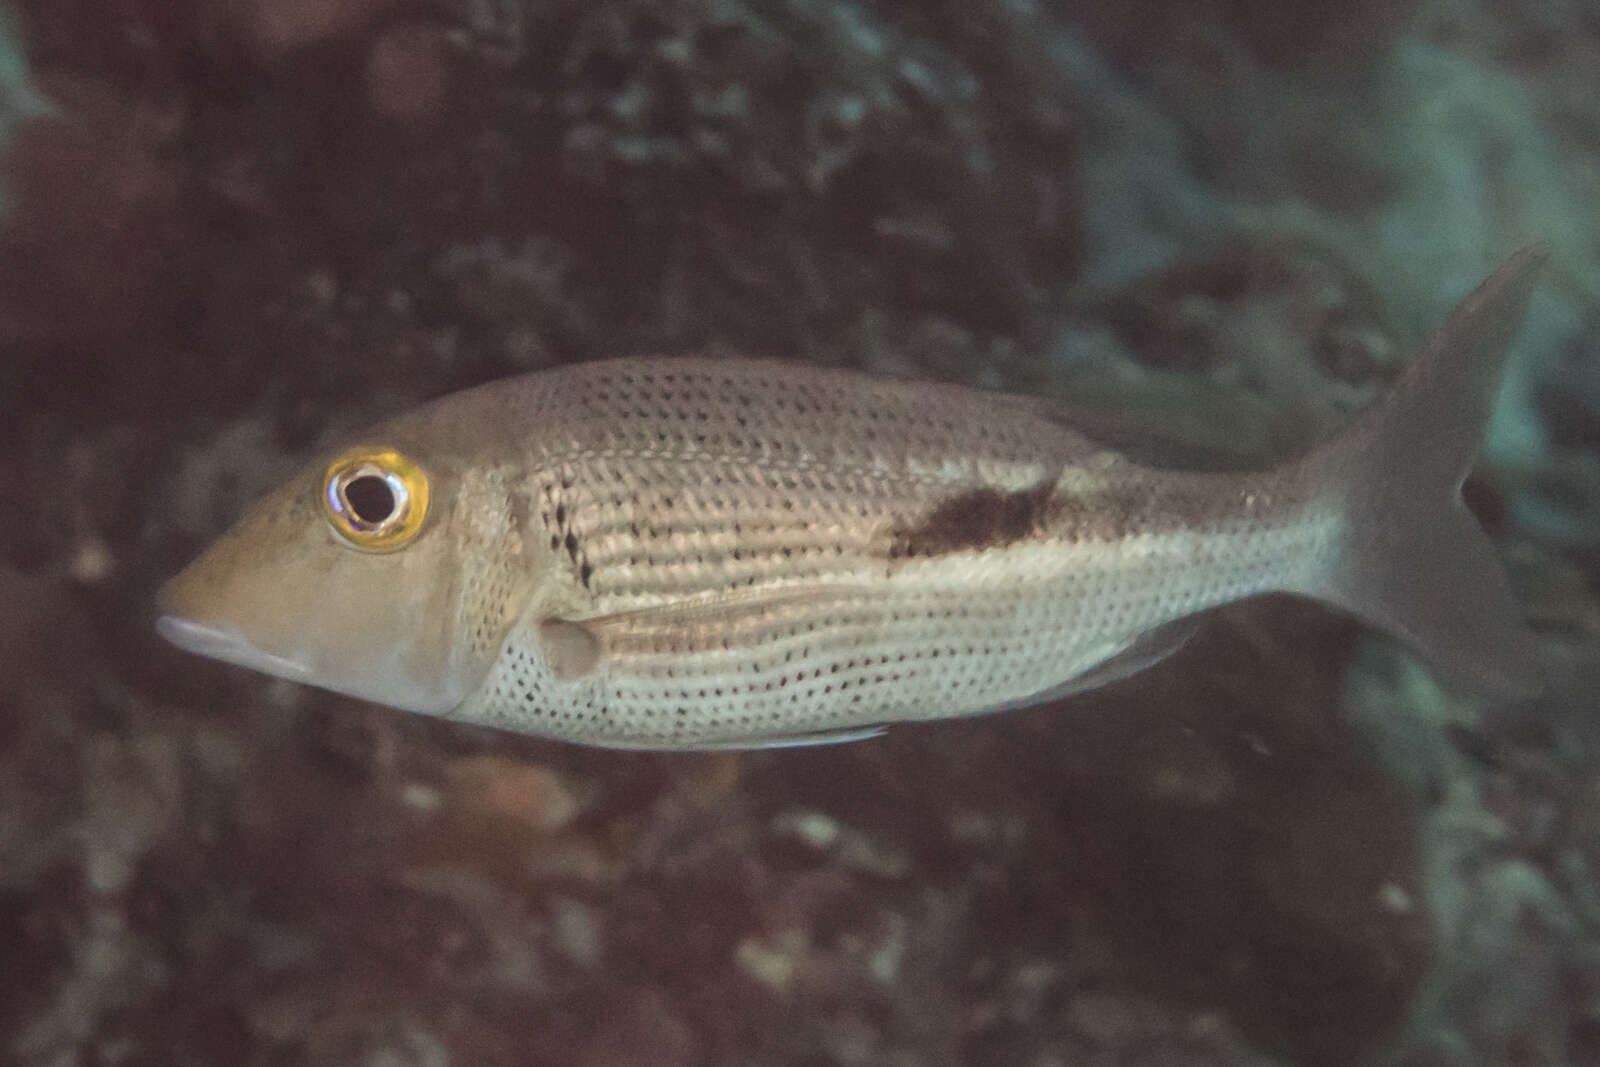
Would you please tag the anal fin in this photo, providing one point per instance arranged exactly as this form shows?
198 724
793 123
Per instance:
1144 651
815 737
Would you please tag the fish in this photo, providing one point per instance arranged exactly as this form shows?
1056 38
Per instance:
688 552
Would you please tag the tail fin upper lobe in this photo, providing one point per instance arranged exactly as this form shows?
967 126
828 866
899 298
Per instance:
1415 562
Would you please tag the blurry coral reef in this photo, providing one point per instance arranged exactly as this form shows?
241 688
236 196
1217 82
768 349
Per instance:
231 229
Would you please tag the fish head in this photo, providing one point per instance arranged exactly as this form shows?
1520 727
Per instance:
349 577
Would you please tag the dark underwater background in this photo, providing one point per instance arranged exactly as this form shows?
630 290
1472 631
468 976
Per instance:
231 229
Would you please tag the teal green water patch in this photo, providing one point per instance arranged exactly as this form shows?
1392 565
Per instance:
19 100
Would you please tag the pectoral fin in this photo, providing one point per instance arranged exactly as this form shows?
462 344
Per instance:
570 649
702 623
574 648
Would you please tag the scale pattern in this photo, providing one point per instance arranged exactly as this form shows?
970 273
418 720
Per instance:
765 551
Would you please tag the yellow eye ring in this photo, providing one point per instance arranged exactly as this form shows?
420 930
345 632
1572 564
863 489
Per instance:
374 498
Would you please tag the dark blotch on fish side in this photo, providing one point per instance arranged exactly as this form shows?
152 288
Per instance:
977 519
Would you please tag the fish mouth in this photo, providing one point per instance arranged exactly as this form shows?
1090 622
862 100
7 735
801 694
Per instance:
227 645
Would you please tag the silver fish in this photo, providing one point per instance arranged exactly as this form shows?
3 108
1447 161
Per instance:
695 553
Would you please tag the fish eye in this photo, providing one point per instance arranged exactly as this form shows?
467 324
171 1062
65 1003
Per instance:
375 498
370 499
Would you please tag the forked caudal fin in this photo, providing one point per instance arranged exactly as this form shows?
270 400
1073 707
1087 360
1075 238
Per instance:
1415 562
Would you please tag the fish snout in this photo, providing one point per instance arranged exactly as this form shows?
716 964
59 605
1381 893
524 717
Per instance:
184 620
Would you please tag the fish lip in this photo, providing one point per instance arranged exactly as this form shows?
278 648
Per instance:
227 645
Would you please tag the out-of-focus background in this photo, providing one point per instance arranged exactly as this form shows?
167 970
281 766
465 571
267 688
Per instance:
231 229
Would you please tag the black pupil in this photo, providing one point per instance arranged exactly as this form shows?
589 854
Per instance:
370 497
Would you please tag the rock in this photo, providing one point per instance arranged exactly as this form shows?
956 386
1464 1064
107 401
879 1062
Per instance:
532 796
279 25
646 1032
408 73
90 213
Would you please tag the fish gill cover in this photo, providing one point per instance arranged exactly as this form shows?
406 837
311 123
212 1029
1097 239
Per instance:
234 231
